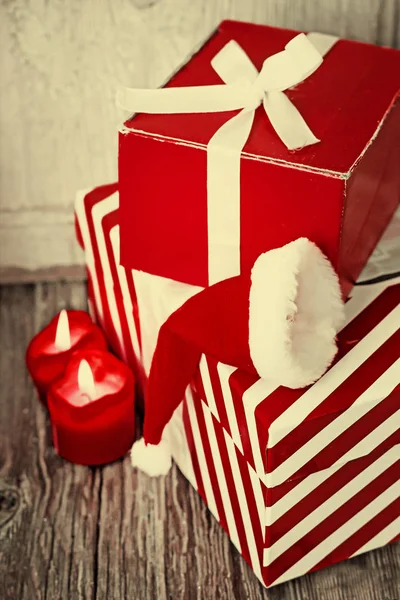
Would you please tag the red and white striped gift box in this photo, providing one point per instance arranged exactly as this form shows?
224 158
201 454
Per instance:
299 479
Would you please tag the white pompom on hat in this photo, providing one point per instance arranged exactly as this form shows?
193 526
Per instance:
296 310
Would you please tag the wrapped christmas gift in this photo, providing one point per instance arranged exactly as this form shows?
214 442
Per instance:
298 478
265 135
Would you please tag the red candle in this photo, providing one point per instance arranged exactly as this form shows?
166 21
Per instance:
50 350
92 408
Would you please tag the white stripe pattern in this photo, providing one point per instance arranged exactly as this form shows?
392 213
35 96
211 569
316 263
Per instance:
248 526
252 397
378 391
201 456
114 236
99 211
341 534
319 514
208 389
258 495
310 483
224 372
87 243
382 538
219 468
297 413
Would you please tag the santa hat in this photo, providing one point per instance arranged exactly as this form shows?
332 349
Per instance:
280 321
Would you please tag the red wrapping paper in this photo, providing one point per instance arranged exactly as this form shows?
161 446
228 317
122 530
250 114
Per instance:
340 193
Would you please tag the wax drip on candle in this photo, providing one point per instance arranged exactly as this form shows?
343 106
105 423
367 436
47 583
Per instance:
63 336
85 380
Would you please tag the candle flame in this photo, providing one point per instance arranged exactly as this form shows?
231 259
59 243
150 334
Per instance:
63 336
85 379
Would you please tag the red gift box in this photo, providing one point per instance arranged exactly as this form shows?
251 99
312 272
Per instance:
299 479
340 192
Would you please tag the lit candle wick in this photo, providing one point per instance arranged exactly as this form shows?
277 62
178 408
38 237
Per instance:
63 336
85 380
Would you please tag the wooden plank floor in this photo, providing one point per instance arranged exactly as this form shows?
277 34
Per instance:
111 533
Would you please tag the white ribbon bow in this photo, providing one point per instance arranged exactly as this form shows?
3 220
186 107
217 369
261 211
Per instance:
244 88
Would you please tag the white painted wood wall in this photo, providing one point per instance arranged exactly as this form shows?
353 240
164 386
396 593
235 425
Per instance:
60 62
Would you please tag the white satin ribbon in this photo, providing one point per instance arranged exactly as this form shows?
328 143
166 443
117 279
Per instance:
244 88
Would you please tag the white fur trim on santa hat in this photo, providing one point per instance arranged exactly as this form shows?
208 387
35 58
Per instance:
296 310
152 459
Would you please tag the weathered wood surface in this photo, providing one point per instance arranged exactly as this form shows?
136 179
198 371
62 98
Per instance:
60 63
69 532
